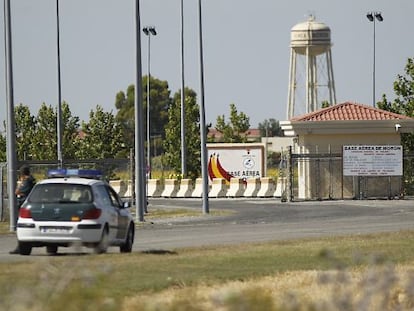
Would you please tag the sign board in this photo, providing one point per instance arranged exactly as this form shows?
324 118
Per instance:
236 161
373 160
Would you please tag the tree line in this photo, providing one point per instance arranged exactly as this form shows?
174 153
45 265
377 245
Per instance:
111 135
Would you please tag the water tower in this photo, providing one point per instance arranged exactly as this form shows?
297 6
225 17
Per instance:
311 79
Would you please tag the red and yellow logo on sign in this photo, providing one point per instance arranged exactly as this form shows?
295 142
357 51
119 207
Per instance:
216 170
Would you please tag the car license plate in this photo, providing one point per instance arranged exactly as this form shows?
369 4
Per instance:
54 229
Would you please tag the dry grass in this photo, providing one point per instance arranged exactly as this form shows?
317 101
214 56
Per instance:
372 289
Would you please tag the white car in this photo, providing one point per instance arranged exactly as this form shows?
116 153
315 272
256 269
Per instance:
70 209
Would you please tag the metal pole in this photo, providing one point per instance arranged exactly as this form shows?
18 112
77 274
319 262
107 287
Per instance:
11 132
59 106
1 194
373 73
183 145
148 109
141 196
203 118
372 16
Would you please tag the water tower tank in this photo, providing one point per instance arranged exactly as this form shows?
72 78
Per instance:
312 35
310 41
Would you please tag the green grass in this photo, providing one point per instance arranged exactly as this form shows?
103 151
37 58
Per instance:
78 280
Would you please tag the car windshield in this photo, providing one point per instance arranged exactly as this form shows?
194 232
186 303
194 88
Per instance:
60 193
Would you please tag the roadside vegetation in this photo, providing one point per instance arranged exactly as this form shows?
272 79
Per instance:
367 272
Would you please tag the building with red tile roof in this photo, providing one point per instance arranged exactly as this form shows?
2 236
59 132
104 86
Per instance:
350 112
349 118
327 131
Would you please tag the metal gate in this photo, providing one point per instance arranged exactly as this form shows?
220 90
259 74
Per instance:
319 176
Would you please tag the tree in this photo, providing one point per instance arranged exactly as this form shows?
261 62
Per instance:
43 141
172 155
70 133
270 128
25 132
102 136
160 101
234 131
404 102
2 148
125 103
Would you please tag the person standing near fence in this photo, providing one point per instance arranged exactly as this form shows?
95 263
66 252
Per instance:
24 186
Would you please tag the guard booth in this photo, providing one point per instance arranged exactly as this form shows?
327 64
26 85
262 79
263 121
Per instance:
317 168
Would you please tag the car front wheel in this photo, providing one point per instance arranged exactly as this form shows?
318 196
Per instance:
129 241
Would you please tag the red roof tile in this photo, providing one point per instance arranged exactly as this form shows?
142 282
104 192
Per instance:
349 112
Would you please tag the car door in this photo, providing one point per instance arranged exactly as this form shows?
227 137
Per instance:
121 215
109 209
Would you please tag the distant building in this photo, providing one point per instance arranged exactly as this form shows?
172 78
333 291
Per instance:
253 135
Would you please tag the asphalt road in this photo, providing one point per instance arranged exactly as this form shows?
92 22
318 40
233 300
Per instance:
253 220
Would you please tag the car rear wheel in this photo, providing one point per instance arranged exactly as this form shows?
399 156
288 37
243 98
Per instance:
25 248
52 249
102 246
129 241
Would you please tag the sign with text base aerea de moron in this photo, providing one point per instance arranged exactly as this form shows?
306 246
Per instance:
372 160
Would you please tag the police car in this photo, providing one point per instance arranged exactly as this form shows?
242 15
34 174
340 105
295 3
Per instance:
74 207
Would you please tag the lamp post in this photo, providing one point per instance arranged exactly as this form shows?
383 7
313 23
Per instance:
148 31
141 200
59 126
182 116
203 131
11 128
372 16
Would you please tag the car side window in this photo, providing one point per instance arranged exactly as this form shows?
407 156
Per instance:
114 197
103 194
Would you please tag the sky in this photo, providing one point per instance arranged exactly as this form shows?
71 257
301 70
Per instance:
246 51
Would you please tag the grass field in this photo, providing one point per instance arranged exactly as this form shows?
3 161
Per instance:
370 272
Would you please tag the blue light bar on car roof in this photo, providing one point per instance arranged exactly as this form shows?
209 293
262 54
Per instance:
64 172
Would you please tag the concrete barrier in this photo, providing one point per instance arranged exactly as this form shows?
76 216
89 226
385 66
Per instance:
280 187
218 188
236 188
198 188
122 187
155 188
186 188
171 187
267 187
127 185
252 187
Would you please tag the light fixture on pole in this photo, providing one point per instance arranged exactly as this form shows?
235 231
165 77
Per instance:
372 16
149 31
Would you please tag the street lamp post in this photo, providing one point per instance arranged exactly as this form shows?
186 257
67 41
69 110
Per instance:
203 131
372 16
59 126
148 31
141 196
182 116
